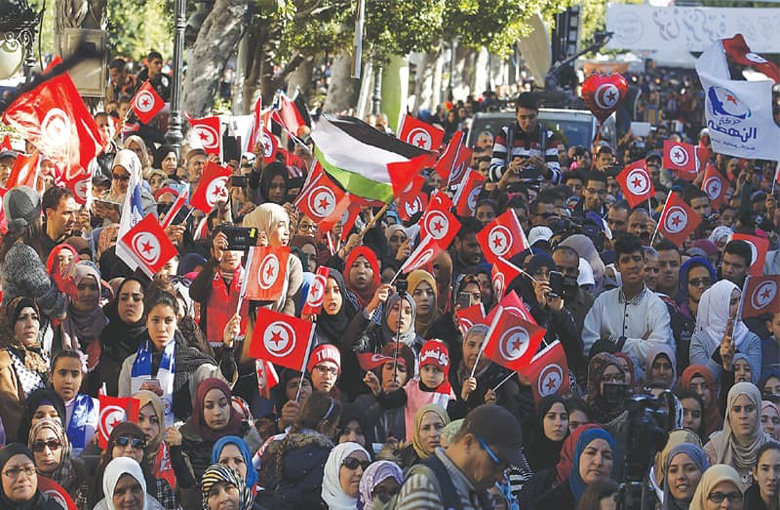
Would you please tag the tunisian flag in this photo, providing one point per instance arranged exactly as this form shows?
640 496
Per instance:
281 339
715 186
323 201
680 157
738 51
149 245
212 185
449 156
501 275
760 296
468 191
502 237
512 342
209 132
421 134
468 317
513 304
316 295
636 183
438 222
54 118
428 249
758 249
677 220
549 372
146 103
267 273
24 171
113 411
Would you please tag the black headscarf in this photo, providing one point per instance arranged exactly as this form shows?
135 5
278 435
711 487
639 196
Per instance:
271 171
42 396
523 284
541 451
331 328
119 338
160 154
38 501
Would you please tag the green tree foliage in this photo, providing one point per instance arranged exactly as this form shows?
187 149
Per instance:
137 26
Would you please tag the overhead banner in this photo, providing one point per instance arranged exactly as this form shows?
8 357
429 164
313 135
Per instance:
643 27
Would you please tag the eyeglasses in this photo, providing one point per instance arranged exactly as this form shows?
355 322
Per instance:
352 463
613 378
122 178
323 370
39 446
307 226
14 472
137 444
490 452
718 497
700 281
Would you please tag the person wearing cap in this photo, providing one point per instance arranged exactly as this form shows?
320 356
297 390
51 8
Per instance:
459 477
432 386
324 367
7 160
540 235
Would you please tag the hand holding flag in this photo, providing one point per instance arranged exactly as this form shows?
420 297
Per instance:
212 186
281 339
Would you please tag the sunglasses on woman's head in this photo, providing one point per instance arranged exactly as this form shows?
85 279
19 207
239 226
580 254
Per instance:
136 443
353 463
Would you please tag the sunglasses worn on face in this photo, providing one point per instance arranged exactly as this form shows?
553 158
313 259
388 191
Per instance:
700 281
123 178
352 463
137 444
718 497
39 446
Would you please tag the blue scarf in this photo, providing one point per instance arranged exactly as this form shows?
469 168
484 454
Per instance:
142 372
576 483
84 414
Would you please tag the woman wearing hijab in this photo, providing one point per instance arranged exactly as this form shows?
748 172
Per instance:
52 453
684 466
661 365
136 144
17 465
380 482
341 479
81 329
213 417
716 329
123 334
274 183
608 406
337 311
125 165
40 404
422 287
24 367
442 272
545 434
429 421
396 236
361 276
127 440
222 487
592 461
720 485
658 469
770 419
124 486
166 160
738 443
698 378
233 452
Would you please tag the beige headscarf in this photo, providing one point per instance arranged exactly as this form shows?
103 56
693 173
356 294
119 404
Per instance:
675 437
146 164
129 161
423 322
711 478
416 442
265 217
147 397
741 454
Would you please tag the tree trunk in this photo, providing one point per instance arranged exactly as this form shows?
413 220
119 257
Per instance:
216 41
438 82
341 89
300 78
424 88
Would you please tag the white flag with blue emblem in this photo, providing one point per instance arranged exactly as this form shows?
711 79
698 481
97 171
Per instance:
132 209
739 113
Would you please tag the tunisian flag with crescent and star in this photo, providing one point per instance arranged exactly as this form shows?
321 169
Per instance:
212 185
146 103
677 220
267 272
636 183
438 222
760 296
420 134
715 186
512 342
316 295
679 157
323 201
502 237
113 411
501 275
549 372
149 245
758 248
281 339
209 133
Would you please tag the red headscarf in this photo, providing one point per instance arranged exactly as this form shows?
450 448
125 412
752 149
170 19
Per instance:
712 418
566 460
233 427
365 296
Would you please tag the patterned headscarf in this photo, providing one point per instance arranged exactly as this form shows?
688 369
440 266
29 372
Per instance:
217 473
375 474
62 474
604 412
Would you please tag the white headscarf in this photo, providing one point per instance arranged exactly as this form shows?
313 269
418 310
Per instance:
332 493
128 160
114 471
713 314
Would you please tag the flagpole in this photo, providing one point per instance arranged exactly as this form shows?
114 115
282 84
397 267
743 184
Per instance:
303 368
505 379
373 221
499 311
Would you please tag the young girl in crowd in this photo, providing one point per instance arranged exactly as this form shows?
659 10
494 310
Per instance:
432 386
81 411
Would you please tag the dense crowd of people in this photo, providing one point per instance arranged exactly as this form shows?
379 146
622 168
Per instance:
436 424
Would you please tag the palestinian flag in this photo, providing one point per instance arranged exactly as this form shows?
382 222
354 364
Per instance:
356 155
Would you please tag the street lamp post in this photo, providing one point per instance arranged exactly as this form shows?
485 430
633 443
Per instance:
18 25
174 136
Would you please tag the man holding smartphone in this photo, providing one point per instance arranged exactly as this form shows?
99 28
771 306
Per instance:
525 151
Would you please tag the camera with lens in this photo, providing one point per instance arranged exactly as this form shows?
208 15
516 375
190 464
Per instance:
401 286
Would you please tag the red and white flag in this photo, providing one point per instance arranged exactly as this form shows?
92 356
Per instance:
24 171
679 157
438 222
257 123
323 201
267 274
348 220
146 103
636 183
549 372
403 174
468 317
715 186
54 118
113 411
760 296
512 342
281 339
316 295
420 134
422 255
758 249
209 132
412 203
449 156
371 360
148 245
267 377
501 275
176 207
738 51
466 197
212 186
5 145
503 237
677 220
81 187
461 165
270 145
290 115
514 305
